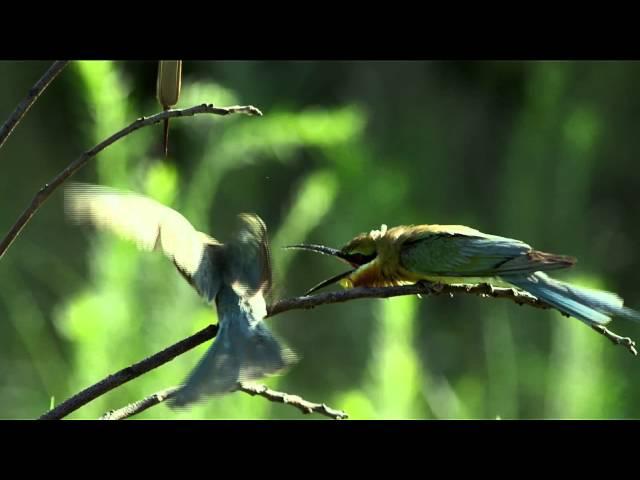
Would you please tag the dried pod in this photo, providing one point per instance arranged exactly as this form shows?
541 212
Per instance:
168 90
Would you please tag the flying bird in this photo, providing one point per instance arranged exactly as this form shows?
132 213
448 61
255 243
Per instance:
455 254
235 276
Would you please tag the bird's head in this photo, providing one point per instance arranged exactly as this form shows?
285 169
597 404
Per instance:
359 253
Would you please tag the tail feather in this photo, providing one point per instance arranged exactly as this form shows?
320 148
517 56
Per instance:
242 351
245 349
588 305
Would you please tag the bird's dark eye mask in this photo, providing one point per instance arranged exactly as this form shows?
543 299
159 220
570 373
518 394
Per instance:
355 260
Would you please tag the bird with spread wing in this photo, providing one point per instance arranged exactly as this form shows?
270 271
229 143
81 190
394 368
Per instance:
236 276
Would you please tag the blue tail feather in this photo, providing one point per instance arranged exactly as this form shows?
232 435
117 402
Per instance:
588 305
244 350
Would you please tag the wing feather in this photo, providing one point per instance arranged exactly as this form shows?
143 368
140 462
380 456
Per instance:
151 226
471 253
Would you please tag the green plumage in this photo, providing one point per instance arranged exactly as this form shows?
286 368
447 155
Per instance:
459 254
480 255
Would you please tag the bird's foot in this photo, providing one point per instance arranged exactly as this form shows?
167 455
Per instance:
435 287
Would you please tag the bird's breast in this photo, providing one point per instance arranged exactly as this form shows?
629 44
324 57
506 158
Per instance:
367 275
376 274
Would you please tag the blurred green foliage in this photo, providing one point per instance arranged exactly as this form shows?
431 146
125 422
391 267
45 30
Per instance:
540 151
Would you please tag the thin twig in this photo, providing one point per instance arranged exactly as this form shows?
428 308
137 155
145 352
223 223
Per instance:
129 373
626 342
139 406
422 288
307 302
33 95
45 192
427 288
303 405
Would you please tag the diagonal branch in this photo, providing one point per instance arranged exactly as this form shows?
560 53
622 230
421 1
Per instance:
301 404
426 288
33 95
140 406
129 373
307 302
626 342
421 288
45 192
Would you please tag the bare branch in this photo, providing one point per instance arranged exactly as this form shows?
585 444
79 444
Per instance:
421 288
33 95
426 288
45 192
129 373
626 342
303 405
139 406
261 390
307 302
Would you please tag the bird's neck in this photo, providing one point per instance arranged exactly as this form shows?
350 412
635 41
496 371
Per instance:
235 298
384 270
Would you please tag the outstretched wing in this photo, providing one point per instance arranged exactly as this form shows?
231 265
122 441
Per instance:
152 226
455 251
248 255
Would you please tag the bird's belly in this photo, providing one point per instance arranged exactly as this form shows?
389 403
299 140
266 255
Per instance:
495 281
371 275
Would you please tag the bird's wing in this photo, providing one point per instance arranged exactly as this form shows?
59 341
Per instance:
456 251
152 226
248 255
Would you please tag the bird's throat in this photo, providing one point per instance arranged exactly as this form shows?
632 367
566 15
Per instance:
367 275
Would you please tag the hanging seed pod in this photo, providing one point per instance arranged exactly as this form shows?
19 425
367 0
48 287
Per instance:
168 91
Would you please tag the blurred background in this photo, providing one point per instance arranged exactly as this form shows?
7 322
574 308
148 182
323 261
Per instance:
538 151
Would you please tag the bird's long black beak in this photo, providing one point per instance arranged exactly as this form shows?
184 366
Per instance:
334 252
353 260
329 281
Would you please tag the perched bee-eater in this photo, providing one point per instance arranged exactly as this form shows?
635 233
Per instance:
455 254
236 276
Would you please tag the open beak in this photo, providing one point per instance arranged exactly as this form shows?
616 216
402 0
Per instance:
329 281
323 250
354 261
